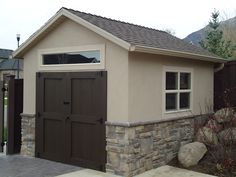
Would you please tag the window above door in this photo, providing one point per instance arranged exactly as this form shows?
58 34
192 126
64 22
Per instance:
72 58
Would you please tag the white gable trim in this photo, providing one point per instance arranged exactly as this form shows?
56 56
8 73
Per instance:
19 53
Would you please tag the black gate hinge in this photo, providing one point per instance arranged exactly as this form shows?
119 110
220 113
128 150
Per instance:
100 120
38 114
4 89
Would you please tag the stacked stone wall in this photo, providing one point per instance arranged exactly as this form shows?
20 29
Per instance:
133 149
28 134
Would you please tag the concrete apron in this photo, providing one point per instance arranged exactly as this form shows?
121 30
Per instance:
164 171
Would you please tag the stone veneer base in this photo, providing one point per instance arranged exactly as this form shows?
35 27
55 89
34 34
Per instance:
28 134
135 148
132 148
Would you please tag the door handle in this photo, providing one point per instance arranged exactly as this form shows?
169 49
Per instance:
68 118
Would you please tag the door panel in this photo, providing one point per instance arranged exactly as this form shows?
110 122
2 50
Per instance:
72 115
53 95
50 121
82 96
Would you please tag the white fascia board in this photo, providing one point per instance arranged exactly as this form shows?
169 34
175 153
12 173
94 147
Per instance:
167 52
40 31
66 13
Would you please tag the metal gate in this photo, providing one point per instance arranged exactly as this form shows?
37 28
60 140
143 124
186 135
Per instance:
71 115
1 115
15 108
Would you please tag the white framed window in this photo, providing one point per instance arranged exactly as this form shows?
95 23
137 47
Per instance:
177 89
72 58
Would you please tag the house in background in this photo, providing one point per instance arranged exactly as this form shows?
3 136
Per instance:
5 54
128 112
9 66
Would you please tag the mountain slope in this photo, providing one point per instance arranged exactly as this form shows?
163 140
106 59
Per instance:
228 27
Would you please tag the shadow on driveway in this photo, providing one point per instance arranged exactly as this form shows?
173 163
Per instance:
22 166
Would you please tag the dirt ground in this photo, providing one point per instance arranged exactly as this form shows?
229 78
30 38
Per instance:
208 165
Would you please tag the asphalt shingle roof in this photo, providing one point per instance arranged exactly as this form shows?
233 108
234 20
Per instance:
11 64
5 53
141 36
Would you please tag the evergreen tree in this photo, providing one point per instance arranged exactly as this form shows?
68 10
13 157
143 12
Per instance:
214 41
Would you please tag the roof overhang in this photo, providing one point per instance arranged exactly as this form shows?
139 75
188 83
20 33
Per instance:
151 50
58 18
63 14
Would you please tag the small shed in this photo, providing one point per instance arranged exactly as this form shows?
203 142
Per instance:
109 95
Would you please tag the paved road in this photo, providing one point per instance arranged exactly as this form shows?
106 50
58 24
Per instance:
21 166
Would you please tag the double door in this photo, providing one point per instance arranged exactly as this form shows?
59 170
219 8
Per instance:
71 115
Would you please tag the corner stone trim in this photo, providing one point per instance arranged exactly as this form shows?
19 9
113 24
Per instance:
132 150
28 134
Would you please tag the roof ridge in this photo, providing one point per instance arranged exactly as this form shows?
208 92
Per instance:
107 18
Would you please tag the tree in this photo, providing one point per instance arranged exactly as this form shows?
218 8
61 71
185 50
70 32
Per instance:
170 31
214 41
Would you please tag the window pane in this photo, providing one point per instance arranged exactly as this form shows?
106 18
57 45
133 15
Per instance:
184 100
72 58
171 101
185 80
171 80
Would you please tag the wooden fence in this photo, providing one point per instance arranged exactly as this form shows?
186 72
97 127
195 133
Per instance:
225 86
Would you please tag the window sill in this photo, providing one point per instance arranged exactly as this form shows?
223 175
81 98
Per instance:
178 113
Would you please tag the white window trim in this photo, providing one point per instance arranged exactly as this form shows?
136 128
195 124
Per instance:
178 70
69 67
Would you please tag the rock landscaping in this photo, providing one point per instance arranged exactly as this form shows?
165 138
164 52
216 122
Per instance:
214 149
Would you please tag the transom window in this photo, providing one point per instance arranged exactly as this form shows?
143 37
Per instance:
177 90
82 57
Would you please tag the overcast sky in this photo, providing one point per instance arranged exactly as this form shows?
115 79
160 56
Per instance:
182 16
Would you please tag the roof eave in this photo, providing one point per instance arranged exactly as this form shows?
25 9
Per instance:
24 47
19 53
152 50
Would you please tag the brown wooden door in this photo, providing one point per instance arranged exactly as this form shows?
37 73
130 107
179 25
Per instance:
51 116
71 119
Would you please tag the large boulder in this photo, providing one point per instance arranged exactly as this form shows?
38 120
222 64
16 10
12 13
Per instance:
228 135
207 136
224 115
191 153
214 125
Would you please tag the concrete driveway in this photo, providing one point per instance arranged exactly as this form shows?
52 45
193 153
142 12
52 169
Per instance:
164 171
21 166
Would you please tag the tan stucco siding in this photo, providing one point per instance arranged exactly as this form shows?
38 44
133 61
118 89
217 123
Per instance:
71 34
146 101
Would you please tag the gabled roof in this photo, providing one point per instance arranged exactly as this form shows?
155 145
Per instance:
5 53
11 64
132 37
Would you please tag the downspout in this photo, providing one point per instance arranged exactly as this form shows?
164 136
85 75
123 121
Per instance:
219 68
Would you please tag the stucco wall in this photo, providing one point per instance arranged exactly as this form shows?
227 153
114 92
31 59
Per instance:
135 88
146 87
70 34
